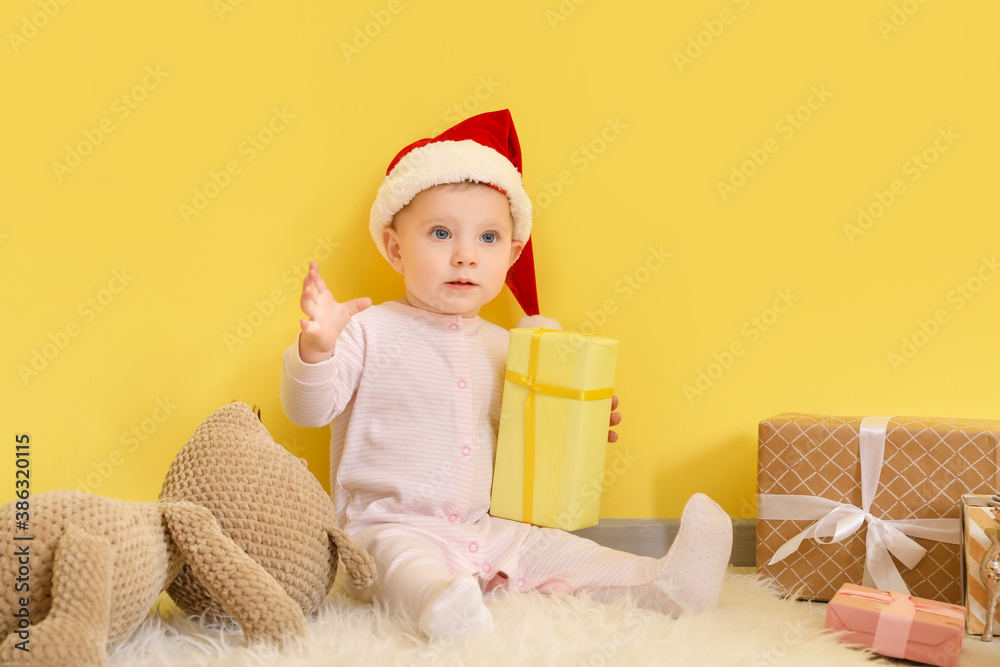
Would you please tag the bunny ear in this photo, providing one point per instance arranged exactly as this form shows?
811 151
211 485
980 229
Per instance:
244 589
359 564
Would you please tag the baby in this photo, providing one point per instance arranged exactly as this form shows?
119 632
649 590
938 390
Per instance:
413 387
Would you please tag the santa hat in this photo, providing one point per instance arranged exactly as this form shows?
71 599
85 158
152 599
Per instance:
481 149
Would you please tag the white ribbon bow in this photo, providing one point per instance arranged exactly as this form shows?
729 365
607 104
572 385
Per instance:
838 521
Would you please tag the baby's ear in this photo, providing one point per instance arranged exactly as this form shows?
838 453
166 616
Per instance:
515 251
392 251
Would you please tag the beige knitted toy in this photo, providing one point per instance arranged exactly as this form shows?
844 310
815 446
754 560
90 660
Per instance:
242 530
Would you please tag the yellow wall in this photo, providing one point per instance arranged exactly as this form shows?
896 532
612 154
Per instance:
631 115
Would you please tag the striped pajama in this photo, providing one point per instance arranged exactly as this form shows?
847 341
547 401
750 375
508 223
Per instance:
414 401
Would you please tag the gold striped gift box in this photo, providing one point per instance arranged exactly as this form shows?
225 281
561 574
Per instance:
976 518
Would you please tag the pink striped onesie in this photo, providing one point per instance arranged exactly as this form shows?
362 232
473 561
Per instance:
416 397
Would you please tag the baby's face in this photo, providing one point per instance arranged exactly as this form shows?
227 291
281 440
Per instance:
453 245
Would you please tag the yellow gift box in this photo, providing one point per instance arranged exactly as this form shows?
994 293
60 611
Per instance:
553 433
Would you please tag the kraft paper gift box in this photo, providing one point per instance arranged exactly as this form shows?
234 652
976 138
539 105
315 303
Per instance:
553 433
898 626
976 518
888 486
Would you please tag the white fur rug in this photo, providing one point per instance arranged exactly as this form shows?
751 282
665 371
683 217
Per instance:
751 626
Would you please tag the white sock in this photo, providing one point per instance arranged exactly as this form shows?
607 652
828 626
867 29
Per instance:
458 610
695 565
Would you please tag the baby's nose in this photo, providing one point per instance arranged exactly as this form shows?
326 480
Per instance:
465 255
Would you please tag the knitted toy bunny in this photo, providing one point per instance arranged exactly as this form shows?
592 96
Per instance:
242 530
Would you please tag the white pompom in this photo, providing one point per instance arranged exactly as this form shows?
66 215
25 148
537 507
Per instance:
529 321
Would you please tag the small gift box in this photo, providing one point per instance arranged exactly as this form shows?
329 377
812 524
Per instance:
870 500
553 433
898 626
977 519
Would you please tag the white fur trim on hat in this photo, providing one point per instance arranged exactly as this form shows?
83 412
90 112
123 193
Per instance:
538 321
448 162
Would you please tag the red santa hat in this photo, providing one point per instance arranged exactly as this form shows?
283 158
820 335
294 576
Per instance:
481 149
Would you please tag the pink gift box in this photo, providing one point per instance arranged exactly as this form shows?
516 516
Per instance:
897 625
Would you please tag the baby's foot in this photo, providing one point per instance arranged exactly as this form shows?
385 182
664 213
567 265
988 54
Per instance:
456 612
696 562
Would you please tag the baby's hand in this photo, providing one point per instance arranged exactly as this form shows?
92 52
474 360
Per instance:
616 419
325 317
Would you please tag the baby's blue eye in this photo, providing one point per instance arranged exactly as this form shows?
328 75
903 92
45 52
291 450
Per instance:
440 233
489 237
